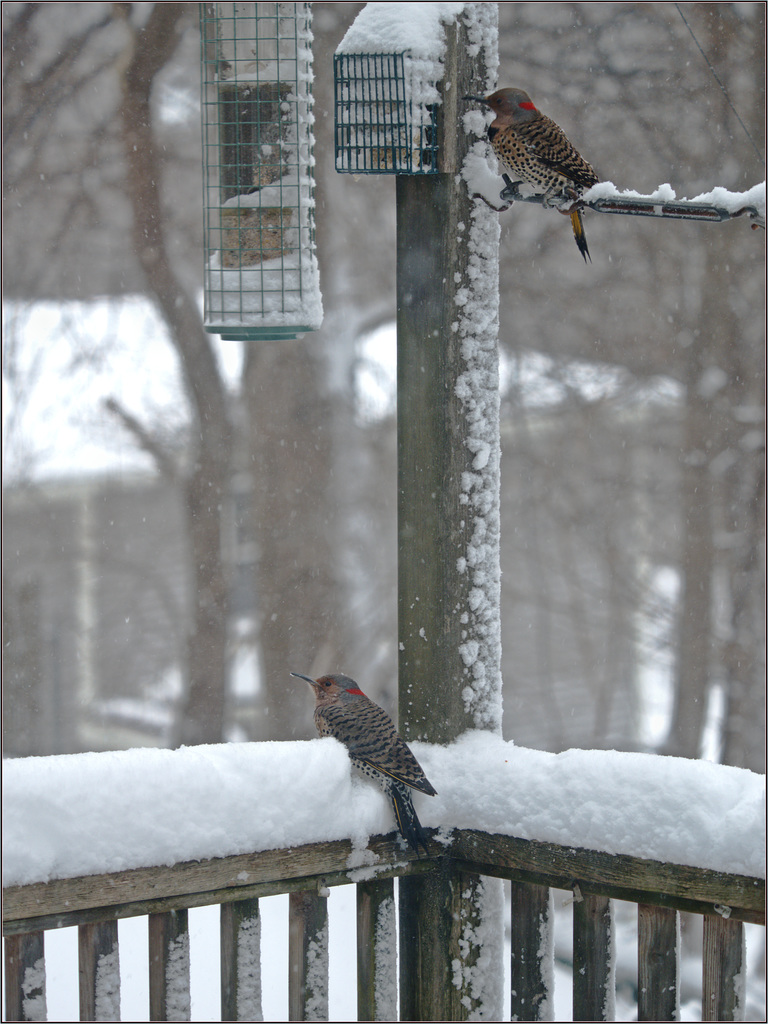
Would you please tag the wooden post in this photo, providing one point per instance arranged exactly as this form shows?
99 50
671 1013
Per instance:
25 977
169 997
241 961
431 909
449 672
723 969
658 992
376 951
99 967
307 956
437 589
593 981
532 952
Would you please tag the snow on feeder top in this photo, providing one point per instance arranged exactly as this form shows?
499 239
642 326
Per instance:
261 274
386 72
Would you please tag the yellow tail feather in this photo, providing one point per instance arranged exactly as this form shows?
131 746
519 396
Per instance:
578 234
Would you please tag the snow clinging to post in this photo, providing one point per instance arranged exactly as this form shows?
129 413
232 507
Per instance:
477 324
478 969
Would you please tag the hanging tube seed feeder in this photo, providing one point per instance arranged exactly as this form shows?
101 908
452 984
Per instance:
261 278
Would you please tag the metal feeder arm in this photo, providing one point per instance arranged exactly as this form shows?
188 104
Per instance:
678 209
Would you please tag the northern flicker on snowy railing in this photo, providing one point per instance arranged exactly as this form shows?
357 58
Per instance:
376 748
534 151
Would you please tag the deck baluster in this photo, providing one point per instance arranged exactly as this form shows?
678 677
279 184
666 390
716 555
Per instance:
593 980
658 992
241 961
308 956
98 956
25 977
532 952
169 996
722 965
376 951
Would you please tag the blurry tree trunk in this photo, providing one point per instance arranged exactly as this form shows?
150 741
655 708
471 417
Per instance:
206 481
722 621
295 441
694 645
290 455
744 649
743 490
22 667
740 480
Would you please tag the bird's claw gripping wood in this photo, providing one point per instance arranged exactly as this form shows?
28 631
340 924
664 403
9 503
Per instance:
376 748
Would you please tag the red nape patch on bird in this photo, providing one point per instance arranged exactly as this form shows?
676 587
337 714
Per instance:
527 106
357 693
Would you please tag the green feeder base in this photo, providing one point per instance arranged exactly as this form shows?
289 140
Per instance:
231 332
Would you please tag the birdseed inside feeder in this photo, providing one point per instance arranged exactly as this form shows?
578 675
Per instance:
261 275
385 115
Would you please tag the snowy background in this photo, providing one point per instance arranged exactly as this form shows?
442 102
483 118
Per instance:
617 388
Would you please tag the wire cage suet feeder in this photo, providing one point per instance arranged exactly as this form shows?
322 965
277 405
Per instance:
261 274
385 115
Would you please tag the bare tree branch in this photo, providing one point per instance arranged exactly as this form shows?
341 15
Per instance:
152 47
207 485
147 441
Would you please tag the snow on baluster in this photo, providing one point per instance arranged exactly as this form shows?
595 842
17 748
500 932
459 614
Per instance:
478 971
317 977
249 970
108 986
546 955
385 979
177 995
33 988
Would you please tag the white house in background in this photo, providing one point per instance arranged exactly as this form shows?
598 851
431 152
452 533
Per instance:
95 594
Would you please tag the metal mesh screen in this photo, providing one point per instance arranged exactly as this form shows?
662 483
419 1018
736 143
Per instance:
379 129
260 266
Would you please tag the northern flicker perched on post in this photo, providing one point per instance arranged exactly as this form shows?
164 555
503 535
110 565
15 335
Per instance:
536 152
376 748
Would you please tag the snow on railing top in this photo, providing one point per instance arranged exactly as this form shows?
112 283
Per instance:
81 814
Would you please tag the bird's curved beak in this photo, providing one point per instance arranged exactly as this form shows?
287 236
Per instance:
298 675
477 99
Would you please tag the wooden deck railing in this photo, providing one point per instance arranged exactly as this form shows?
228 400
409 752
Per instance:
661 891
